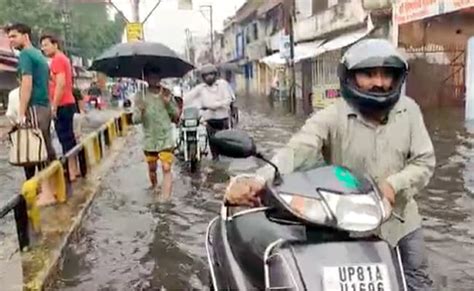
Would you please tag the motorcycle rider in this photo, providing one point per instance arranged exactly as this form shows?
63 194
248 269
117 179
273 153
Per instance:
214 96
372 129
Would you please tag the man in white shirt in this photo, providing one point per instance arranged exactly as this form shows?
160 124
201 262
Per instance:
214 97
13 105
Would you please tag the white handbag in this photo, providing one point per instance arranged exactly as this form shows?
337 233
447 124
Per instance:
28 147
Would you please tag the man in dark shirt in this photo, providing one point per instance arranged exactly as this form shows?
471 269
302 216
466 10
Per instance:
35 107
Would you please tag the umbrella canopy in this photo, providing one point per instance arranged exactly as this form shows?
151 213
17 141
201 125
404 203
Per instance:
129 59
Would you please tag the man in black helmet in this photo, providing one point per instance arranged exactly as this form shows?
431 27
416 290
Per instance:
372 129
214 96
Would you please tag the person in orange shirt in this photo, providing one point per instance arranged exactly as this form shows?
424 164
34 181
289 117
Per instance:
61 96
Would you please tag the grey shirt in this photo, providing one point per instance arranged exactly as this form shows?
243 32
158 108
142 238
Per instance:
399 152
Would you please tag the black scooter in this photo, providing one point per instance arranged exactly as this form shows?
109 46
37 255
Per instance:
315 232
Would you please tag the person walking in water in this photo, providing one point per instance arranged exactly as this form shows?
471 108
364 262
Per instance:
155 109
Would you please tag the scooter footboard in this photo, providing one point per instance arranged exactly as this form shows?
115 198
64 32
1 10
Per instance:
335 266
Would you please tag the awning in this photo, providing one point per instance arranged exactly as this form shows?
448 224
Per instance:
345 39
302 51
315 48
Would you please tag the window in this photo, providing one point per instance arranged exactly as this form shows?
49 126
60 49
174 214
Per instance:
320 5
255 30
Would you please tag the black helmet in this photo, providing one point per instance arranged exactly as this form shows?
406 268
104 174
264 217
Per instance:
366 54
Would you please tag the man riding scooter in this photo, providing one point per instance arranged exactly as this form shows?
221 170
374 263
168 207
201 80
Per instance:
214 97
373 129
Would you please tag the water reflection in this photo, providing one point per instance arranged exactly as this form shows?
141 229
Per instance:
129 241
447 204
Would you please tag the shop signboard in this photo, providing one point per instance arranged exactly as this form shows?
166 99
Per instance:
412 10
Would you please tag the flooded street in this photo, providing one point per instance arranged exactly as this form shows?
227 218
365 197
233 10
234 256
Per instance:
130 242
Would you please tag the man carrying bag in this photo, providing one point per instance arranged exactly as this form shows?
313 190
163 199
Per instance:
32 138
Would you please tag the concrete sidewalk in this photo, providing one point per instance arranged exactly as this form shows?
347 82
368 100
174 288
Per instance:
33 267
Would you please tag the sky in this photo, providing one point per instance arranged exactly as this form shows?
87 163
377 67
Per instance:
167 23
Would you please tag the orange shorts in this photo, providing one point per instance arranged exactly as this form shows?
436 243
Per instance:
163 156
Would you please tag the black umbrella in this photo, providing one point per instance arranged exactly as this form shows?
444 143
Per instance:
129 60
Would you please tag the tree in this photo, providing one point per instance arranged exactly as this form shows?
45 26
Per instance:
91 29
39 14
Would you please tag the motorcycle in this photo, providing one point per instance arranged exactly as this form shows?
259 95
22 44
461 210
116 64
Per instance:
192 144
314 232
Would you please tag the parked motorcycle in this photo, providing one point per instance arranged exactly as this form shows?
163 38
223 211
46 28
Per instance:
192 144
314 232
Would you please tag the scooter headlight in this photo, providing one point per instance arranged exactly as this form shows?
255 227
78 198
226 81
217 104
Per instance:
355 212
190 122
350 212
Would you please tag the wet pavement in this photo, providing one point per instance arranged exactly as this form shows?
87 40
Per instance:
11 179
129 241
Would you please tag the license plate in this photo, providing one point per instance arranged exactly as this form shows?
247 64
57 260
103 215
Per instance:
372 277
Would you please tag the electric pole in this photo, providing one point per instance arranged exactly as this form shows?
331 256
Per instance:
211 22
66 22
68 42
291 14
136 10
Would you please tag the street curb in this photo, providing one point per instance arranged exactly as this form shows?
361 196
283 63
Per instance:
44 278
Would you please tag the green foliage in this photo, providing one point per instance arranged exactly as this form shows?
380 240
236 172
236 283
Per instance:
89 32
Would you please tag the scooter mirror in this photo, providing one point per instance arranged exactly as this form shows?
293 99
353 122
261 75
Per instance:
233 144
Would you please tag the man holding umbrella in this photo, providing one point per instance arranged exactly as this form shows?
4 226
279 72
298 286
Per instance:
155 107
155 110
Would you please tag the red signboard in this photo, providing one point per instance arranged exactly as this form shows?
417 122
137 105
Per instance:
413 10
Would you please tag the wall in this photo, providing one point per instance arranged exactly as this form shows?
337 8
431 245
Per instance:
427 89
449 30
439 43
335 18
229 42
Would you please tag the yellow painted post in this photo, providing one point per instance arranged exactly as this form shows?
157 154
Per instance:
29 191
56 171
60 181
97 153
110 127
87 153
123 119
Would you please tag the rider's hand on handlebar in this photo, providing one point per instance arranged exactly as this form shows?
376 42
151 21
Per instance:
388 192
245 191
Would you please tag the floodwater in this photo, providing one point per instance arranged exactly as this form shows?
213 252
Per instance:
129 241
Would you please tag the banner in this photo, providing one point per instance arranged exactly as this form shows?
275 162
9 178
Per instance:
134 31
412 10
324 95
185 4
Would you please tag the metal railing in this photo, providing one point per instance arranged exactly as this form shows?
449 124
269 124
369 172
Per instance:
17 204
87 153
